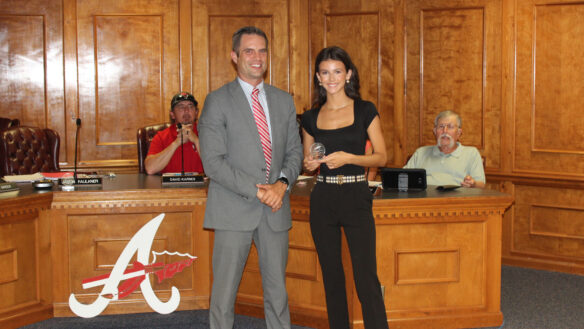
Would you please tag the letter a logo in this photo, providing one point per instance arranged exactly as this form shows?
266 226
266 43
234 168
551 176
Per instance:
141 243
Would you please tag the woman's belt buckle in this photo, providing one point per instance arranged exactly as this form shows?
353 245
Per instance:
340 179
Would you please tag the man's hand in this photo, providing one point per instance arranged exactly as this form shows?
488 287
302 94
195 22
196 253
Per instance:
188 134
272 194
310 164
470 182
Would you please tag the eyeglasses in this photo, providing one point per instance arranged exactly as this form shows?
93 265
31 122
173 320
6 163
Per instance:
448 126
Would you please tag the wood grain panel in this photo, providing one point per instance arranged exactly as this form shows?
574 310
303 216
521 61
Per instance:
300 235
8 265
450 265
554 221
549 88
25 269
427 266
365 53
214 23
547 226
129 54
20 275
22 73
453 62
128 69
300 79
559 87
31 63
366 31
221 28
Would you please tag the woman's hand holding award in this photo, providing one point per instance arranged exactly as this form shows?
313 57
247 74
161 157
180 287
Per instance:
317 151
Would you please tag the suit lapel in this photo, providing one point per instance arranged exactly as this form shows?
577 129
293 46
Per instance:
272 107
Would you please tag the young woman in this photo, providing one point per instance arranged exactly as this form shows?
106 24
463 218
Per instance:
343 122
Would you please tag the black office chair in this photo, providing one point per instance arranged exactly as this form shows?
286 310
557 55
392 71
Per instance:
28 150
143 138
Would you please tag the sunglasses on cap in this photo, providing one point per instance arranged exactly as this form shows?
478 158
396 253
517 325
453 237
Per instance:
182 96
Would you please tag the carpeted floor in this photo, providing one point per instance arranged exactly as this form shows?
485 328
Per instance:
530 299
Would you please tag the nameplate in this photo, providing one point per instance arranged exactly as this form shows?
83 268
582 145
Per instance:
182 179
88 181
81 181
8 186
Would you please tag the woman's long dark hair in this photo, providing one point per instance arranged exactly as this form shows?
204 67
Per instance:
337 54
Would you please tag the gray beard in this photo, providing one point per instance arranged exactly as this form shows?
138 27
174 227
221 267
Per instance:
450 144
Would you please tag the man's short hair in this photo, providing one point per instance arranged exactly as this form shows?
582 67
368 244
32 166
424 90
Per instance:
182 96
445 114
236 39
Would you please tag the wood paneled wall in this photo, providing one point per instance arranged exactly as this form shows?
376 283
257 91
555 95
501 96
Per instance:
511 68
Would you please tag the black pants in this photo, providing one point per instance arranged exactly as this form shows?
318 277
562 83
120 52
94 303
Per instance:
349 206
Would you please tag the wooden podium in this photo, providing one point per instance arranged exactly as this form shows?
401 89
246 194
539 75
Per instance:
438 253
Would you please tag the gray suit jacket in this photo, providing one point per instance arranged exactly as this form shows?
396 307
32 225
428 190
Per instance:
234 161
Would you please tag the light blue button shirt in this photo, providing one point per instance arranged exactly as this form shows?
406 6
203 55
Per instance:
448 169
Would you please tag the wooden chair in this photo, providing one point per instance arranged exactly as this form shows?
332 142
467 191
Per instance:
144 137
27 150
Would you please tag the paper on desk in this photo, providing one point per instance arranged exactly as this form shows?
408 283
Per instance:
57 175
24 178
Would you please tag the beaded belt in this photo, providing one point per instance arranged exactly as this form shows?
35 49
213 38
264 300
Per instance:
340 179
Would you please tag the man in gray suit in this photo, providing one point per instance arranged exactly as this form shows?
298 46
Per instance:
251 167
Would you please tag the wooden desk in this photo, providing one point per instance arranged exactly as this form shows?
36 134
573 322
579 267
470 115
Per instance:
86 230
90 229
438 258
438 253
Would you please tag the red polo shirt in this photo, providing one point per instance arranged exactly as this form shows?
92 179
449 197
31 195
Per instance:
192 159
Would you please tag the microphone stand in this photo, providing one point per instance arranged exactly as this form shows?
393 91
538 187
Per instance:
182 157
78 124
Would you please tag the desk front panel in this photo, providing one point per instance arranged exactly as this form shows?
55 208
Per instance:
25 264
91 229
438 259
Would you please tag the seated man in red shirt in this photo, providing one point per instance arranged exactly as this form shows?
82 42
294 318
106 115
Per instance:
165 150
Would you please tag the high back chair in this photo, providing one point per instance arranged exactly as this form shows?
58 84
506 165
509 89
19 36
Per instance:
27 150
143 138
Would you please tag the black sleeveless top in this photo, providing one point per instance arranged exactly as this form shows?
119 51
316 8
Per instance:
350 139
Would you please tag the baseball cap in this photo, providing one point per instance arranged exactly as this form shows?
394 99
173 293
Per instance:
182 96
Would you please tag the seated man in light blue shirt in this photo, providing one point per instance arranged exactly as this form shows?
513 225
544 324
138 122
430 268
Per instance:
449 162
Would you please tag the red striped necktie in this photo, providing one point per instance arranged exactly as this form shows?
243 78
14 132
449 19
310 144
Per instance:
261 122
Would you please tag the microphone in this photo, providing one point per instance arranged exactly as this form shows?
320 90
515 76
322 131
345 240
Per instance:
182 156
68 184
78 124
